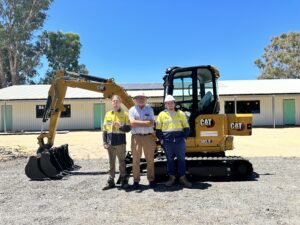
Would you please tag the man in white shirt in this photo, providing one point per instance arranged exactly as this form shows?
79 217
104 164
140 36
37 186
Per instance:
142 119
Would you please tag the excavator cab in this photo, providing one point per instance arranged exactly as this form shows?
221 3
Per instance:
195 91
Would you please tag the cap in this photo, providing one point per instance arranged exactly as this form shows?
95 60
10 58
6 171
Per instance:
139 94
169 98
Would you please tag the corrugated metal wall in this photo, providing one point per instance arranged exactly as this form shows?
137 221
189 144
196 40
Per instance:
24 115
279 108
265 117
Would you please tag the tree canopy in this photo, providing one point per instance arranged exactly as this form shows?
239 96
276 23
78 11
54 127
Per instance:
20 51
281 58
62 51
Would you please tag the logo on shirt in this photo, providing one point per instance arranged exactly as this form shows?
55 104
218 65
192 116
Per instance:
207 122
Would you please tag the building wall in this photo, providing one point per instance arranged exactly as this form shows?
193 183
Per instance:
82 113
265 117
24 115
279 107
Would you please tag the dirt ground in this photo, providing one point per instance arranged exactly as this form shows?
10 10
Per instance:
88 144
273 198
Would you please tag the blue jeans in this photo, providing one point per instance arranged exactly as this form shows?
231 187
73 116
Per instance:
172 150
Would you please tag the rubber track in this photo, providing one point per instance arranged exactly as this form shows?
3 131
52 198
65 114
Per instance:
210 168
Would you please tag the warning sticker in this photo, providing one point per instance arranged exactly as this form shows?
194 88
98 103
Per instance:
209 133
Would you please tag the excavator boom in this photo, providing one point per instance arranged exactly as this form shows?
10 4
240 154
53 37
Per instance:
54 162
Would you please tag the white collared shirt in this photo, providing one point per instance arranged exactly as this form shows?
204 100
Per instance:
146 113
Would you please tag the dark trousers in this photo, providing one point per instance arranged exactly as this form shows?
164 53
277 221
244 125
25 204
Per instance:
172 150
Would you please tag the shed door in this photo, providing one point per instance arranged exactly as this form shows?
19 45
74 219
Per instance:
6 117
99 112
289 112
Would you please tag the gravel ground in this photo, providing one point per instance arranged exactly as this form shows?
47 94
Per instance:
273 198
8 153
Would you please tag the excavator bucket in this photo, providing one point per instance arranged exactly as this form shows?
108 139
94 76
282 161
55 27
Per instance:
32 169
53 163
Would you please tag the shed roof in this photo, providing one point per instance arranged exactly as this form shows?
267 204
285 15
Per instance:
29 92
232 87
259 87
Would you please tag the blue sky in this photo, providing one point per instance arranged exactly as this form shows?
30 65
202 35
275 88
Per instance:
136 40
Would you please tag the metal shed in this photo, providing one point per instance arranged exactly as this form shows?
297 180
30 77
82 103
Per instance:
272 102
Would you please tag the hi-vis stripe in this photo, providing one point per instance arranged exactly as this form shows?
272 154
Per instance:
166 123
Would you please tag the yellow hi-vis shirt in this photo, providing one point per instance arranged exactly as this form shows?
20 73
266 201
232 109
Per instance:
170 127
113 135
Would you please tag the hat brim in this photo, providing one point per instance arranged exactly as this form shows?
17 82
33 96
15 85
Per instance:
138 96
170 101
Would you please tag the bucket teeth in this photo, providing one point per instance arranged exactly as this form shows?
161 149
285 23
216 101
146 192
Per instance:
53 163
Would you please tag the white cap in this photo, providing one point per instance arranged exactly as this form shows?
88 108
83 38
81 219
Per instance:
169 98
139 94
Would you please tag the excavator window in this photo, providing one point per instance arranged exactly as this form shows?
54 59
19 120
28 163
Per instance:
195 91
183 92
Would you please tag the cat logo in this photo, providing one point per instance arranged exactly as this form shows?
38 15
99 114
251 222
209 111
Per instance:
207 122
101 87
237 126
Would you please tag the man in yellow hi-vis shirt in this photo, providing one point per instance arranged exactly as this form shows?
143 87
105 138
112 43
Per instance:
115 125
172 129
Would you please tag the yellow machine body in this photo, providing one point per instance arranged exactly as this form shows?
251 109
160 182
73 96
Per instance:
214 132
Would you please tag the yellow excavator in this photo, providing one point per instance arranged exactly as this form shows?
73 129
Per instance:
196 92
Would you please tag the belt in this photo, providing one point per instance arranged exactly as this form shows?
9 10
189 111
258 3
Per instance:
143 134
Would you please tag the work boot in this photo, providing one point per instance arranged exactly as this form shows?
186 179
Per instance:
110 184
136 185
171 181
183 180
152 184
124 182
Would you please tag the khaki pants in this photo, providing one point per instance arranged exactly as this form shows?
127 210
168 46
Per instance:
120 152
146 143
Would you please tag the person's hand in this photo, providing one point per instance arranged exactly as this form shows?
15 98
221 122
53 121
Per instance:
105 146
161 142
116 124
149 123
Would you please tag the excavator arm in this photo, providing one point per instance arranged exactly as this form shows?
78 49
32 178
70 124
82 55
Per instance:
55 162
57 93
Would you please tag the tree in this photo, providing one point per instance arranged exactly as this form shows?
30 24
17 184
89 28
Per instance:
62 51
281 58
19 53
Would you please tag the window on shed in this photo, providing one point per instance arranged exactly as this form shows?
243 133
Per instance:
248 107
67 112
229 107
39 111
